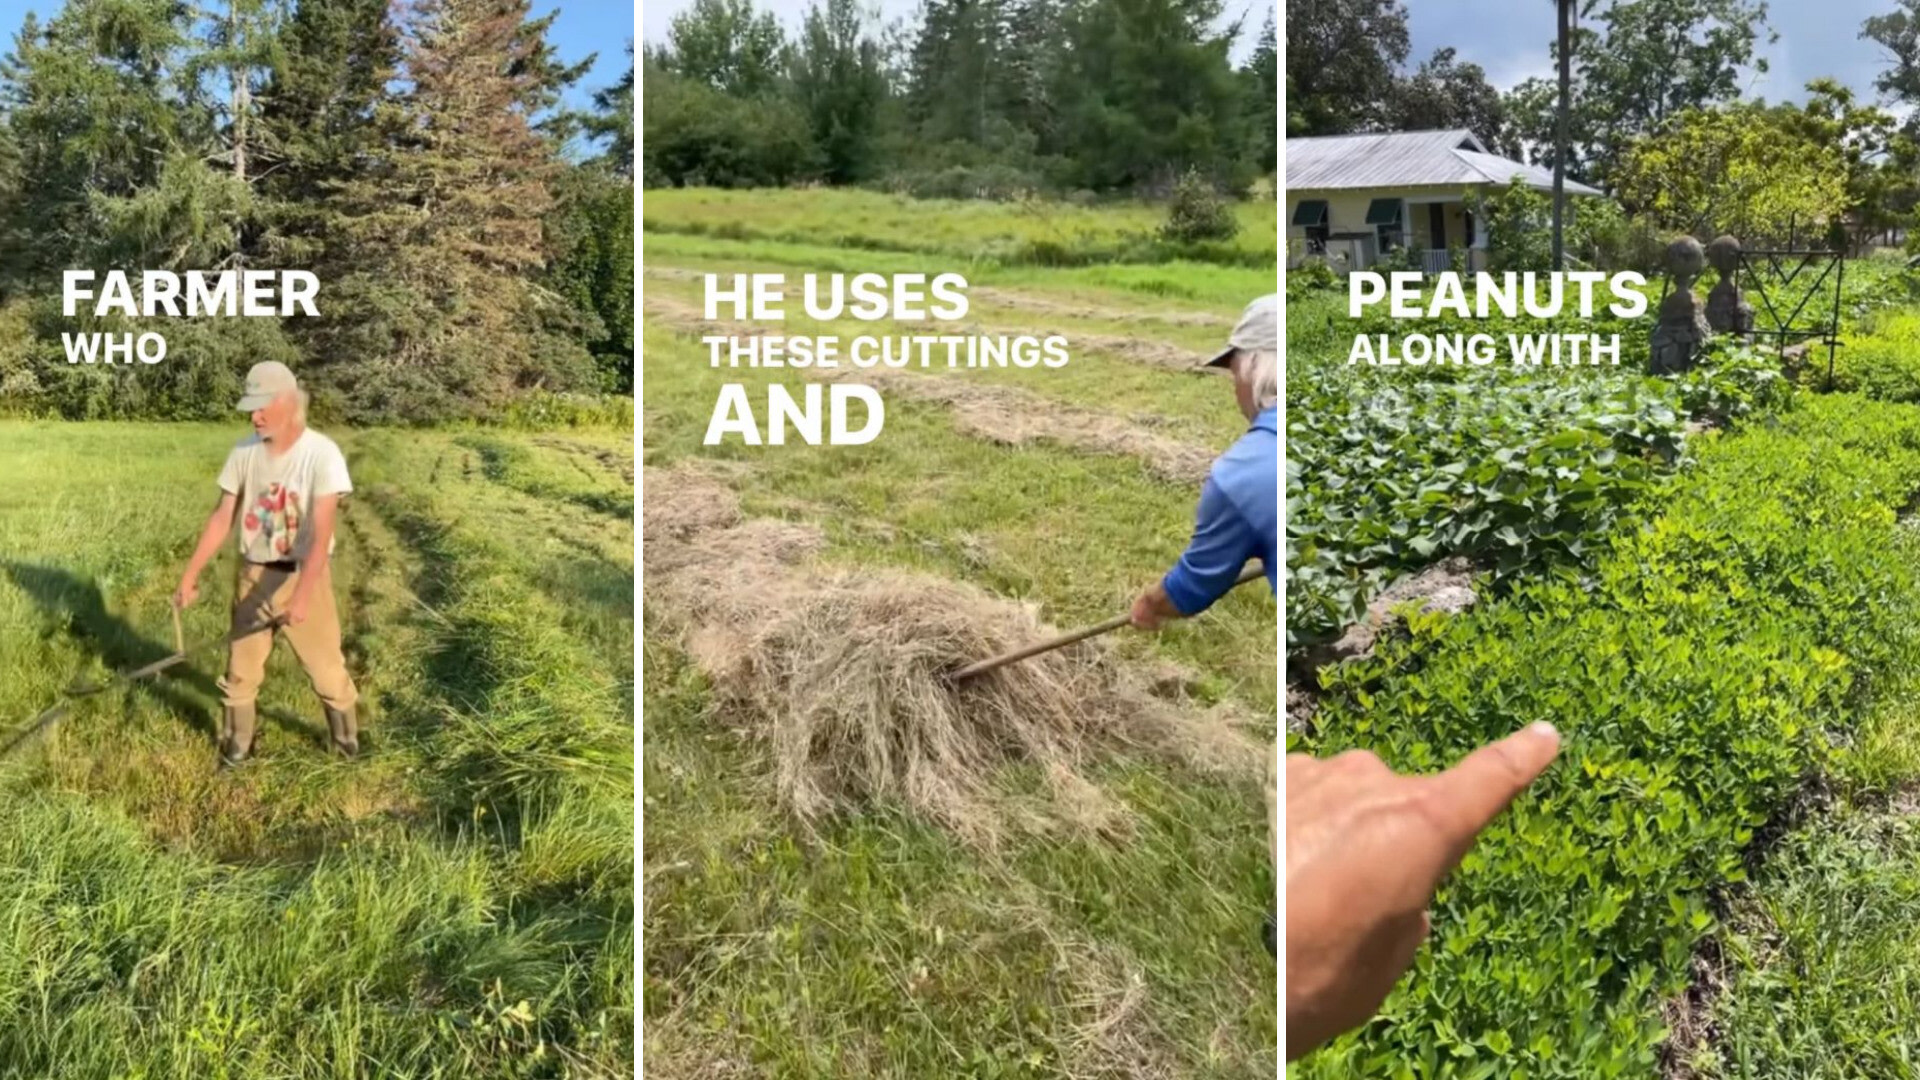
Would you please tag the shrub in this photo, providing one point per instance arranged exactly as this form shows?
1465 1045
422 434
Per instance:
1311 276
1001 183
697 136
1601 234
1882 362
199 379
1519 224
1197 212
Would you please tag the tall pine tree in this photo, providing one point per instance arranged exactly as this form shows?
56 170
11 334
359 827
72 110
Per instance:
435 314
332 68
840 83
1145 92
95 101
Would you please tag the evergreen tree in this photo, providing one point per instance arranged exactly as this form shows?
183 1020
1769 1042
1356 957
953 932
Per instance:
1145 92
975 75
434 314
613 121
335 61
1261 76
94 101
590 240
839 82
12 234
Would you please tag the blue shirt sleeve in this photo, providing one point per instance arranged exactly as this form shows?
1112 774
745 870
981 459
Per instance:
1222 543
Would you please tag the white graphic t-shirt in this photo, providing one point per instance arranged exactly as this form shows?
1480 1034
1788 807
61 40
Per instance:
276 493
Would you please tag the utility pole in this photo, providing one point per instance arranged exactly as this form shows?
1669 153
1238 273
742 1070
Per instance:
1565 11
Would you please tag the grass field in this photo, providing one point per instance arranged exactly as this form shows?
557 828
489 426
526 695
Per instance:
456 903
1042 231
886 944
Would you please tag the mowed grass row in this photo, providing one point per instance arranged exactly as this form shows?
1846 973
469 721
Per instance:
1181 404
892 949
457 903
1133 289
1027 230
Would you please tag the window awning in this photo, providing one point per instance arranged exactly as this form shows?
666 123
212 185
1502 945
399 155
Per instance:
1384 212
1310 212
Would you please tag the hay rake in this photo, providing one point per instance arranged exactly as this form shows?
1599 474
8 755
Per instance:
983 666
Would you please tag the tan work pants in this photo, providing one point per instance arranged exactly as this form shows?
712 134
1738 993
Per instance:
261 593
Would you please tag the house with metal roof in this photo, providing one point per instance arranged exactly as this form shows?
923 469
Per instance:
1353 198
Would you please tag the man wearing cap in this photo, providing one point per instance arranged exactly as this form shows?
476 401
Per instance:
284 484
1238 518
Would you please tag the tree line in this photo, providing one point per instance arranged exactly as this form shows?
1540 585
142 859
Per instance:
414 156
972 98
1658 113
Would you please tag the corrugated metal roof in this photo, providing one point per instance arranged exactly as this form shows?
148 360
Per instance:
1407 159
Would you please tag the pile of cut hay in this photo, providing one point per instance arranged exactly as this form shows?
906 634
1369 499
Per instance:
846 675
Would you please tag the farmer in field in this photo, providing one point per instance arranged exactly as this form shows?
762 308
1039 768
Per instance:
284 484
1239 515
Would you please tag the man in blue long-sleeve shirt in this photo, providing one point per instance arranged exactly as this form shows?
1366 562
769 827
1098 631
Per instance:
1239 515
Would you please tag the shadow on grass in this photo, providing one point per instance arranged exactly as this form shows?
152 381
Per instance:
77 604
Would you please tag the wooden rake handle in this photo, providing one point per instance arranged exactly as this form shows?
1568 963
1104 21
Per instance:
983 666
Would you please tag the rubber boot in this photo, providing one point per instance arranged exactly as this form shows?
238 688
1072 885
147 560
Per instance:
344 731
236 736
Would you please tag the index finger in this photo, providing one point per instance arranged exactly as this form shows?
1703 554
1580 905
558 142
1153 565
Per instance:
1466 798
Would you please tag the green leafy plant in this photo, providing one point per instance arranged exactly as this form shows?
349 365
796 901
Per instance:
1696 668
1198 212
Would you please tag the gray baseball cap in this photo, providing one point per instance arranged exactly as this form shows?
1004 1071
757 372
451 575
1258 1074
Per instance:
1258 329
266 381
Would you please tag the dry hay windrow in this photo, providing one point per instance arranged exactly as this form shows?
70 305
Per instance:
609 458
843 673
1137 350
1007 415
673 273
1049 306
997 413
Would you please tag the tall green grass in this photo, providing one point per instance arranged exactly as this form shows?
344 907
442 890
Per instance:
458 903
1178 283
1032 232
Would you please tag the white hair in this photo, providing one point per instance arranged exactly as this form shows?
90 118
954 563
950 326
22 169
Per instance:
1262 372
300 407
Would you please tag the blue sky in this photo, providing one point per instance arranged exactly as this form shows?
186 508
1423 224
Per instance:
1509 38
584 26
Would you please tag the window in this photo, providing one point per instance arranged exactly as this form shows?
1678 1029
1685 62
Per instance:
1311 215
1386 217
